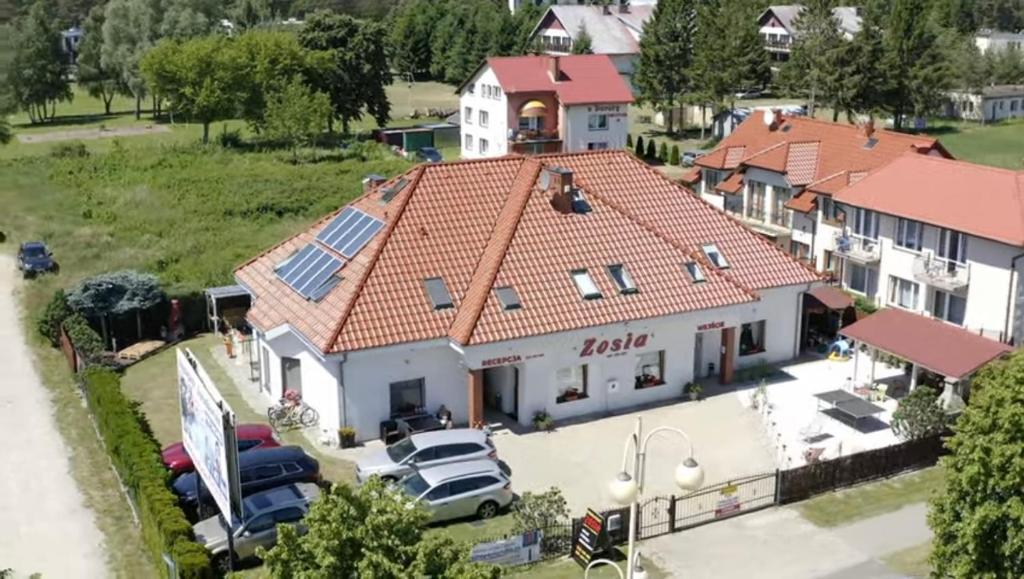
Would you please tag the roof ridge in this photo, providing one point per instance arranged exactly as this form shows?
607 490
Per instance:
853 127
385 237
992 168
488 265
760 152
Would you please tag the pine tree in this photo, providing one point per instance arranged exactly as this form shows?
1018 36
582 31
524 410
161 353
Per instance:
915 59
629 140
728 33
674 157
639 151
652 150
663 152
665 69
814 64
412 26
583 43
865 79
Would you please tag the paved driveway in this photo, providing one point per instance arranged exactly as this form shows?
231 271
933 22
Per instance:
581 458
44 525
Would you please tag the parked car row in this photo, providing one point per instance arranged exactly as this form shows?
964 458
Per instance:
452 473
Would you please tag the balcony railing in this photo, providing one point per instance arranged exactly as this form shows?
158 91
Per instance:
857 248
528 136
942 273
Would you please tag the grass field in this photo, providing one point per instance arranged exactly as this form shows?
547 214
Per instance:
1001 145
912 562
872 499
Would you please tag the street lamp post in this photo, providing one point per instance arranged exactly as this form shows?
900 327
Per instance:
628 488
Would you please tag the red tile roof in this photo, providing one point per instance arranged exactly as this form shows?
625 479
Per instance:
582 78
804 202
809 151
692 176
976 199
484 224
831 297
733 184
935 345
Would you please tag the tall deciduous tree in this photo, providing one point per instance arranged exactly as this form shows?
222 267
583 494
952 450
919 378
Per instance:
98 81
248 14
978 520
189 18
130 28
665 70
37 73
358 70
200 78
387 543
296 115
814 67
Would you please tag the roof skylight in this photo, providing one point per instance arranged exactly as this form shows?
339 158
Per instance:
715 256
696 273
584 283
623 281
438 293
508 298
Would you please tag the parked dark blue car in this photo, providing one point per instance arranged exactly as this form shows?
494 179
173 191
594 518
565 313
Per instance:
35 258
429 154
258 470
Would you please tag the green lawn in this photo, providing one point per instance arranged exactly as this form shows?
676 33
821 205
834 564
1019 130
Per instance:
566 568
1000 144
872 499
912 562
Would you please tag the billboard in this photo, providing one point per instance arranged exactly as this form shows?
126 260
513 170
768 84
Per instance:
208 433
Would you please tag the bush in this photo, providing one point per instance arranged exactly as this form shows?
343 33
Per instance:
136 456
629 141
920 414
652 150
673 159
863 304
48 323
230 139
87 342
663 152
639 151
69 150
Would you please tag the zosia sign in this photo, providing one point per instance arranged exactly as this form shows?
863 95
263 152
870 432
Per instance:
593 346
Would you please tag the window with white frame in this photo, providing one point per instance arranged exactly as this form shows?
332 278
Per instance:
752 338
571 383
602 146
903 293
486 92
485 118
829 211
650 370
711 179
949 307
757 193
484 146
715 256
865 223
623 281
908 234
862 279
597 122
696 273
584 283
781 215
468 115
467 142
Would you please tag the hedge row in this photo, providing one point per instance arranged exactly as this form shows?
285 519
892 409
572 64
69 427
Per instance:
136 456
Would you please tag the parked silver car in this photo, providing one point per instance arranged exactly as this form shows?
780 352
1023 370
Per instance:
262 512
461 489
425 450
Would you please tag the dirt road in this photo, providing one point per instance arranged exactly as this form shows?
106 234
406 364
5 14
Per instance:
45 526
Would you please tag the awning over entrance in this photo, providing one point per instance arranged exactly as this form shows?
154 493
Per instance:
533 109
831 297
931 344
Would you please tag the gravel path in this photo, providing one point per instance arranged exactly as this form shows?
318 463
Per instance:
45 526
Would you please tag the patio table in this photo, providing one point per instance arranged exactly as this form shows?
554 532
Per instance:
848 404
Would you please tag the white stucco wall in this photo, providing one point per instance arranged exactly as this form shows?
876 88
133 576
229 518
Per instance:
496 131
576 133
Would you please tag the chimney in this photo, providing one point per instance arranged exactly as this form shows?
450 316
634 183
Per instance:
869 128
553 68
372 181
560 187
778 118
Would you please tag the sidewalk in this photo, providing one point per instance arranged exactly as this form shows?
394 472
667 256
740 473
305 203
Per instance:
780 543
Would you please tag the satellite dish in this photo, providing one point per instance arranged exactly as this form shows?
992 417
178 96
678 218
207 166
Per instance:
545 179
768 117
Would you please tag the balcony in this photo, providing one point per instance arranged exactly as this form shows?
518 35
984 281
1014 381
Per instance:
941 273
778 45
857 248
535 142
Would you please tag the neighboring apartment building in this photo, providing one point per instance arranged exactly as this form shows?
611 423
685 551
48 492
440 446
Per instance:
997 41
937 237
574 284
990 104
543 104
514 5
614 31
778 31
777 174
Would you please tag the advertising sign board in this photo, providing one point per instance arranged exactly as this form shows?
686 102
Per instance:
589 538
519 550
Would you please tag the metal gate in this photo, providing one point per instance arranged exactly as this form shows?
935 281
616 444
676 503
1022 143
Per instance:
655 517
725 500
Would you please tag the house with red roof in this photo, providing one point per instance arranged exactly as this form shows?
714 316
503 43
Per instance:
543 104
573 284
939 238
778 173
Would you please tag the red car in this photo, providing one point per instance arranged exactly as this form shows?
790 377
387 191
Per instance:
250 436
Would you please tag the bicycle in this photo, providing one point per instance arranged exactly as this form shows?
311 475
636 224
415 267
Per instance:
292 412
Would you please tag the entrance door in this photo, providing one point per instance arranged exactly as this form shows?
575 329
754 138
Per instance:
291 374
698 355
501 389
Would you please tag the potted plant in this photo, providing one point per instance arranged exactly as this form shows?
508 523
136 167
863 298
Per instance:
543 421
695 390
347 436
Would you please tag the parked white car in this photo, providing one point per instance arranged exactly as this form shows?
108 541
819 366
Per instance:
426 450
458 490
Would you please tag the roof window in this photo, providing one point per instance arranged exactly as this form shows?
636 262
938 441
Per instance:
438 292
623 281
870 144
508 298
696 273
715 256
584 283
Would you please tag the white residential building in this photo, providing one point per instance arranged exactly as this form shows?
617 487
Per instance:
997 41
990 104
776 25
543 104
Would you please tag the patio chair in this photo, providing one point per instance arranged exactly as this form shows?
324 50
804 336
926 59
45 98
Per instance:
811 430
879 394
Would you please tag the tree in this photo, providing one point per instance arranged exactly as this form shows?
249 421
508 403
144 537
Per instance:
129 30
358 71
866 81
183 19
1007 66
629 140
468 32
387 543
673 158
114 294
813 66
663 152
98 82
977 519
665 68
296 115
248 14
915 60
199 78
652 150
412 28
37 74
728 33
919 415
639 151
583 43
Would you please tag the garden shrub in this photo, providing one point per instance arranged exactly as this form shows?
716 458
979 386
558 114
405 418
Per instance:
629 141
87 342
136 457
663 152
652 149
49 322
639 151
673 158
69 150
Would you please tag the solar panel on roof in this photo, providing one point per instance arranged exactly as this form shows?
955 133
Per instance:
310 271
350 231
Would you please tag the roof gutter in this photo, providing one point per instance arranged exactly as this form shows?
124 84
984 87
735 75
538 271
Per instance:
1009 297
